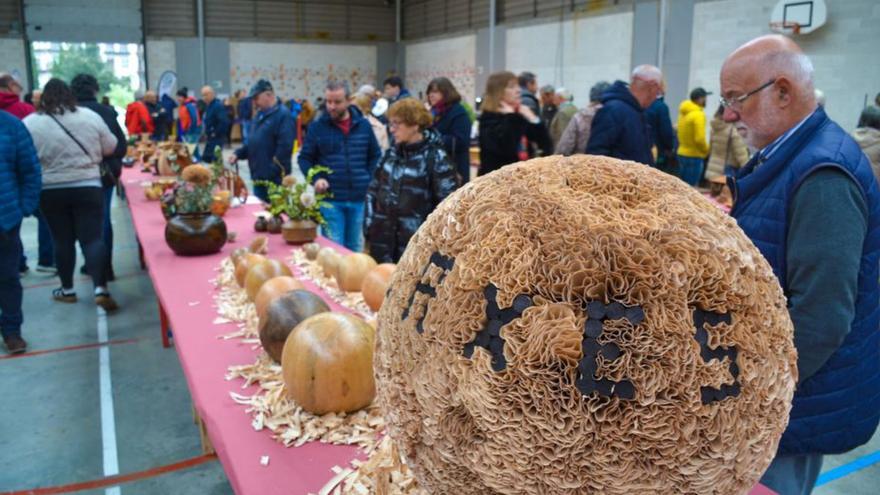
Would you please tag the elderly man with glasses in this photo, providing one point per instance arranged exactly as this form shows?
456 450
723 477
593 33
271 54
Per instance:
811 204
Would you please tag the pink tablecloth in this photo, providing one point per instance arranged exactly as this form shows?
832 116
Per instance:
184 289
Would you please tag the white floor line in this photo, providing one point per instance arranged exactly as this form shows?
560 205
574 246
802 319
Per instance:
108 418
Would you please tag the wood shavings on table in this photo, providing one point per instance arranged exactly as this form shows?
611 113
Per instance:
312 271
233 305
385 472
292 426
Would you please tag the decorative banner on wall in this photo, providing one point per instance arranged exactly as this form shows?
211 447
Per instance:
454 58
305 70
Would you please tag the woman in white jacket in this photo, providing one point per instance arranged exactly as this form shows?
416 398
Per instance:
71 142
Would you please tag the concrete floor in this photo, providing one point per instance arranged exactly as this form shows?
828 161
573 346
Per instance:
50 419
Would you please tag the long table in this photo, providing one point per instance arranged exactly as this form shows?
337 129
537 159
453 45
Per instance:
185 294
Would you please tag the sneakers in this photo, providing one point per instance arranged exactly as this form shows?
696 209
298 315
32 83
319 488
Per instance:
47 269
106 301
15 344
64 296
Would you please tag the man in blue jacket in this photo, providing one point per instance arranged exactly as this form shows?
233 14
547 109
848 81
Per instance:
343 140
216 123
619 127
810 203
662 134
20 183
270 141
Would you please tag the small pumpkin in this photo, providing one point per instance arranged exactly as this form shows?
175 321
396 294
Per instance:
260 273
327 364
376 284
244 264
259 245
328 260
236 255
283 315
273 289
312 249
352 270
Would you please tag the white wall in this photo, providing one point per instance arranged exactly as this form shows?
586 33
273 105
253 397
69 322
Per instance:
454 58
160 57
845 52
575 54
12 59
300 70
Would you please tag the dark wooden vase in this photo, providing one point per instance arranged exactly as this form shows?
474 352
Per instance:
299 231
195 234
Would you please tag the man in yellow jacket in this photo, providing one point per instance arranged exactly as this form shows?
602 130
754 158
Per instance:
692 145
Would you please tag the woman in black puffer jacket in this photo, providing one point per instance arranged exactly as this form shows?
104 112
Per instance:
412 178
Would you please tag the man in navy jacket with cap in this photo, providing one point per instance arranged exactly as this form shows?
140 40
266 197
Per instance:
270 139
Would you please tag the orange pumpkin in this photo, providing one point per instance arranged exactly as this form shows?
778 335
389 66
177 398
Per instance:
283 315
327 364
328 260
260 273
272 289
352 270
245 262
375 285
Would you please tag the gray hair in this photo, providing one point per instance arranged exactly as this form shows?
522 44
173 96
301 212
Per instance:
647 73
820 96
795 66
564 94
367 89
337 85
547 89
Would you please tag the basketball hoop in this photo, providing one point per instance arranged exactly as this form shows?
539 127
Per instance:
785 27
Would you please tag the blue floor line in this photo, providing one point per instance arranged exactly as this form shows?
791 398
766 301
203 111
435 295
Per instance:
848 468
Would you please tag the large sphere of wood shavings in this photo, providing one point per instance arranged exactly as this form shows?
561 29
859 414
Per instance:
584 325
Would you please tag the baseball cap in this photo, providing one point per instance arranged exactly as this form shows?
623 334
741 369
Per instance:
260 87
699 93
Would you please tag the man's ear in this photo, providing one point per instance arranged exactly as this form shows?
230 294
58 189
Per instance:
783 91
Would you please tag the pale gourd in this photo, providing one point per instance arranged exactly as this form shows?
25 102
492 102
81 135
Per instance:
352 269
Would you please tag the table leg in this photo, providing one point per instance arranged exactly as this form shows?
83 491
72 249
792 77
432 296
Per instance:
141 255
207 446
163 326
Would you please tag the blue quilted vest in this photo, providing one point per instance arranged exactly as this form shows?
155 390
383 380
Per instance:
838 408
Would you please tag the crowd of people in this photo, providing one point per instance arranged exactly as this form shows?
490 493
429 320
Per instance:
805 191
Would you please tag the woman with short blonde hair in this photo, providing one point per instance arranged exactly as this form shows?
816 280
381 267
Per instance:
365 104
412 178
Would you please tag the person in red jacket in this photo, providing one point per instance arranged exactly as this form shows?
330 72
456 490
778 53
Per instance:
10 100
137 117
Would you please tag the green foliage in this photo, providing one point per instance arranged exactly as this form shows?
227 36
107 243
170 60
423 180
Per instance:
85 58
192 198
298 201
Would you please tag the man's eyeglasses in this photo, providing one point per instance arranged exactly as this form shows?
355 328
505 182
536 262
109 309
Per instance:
736 103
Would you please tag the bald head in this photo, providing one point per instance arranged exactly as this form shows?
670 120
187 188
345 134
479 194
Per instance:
208 94
777 64
645 84
150 97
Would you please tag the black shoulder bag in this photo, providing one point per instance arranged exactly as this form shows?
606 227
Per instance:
106 173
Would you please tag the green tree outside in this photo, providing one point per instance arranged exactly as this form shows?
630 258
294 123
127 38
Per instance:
85 58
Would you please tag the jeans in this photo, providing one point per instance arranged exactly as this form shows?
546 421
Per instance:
730 171
11 316
245 126
107 227
208 154
261 192
690 169
76 214
45 247
345 223
793 474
